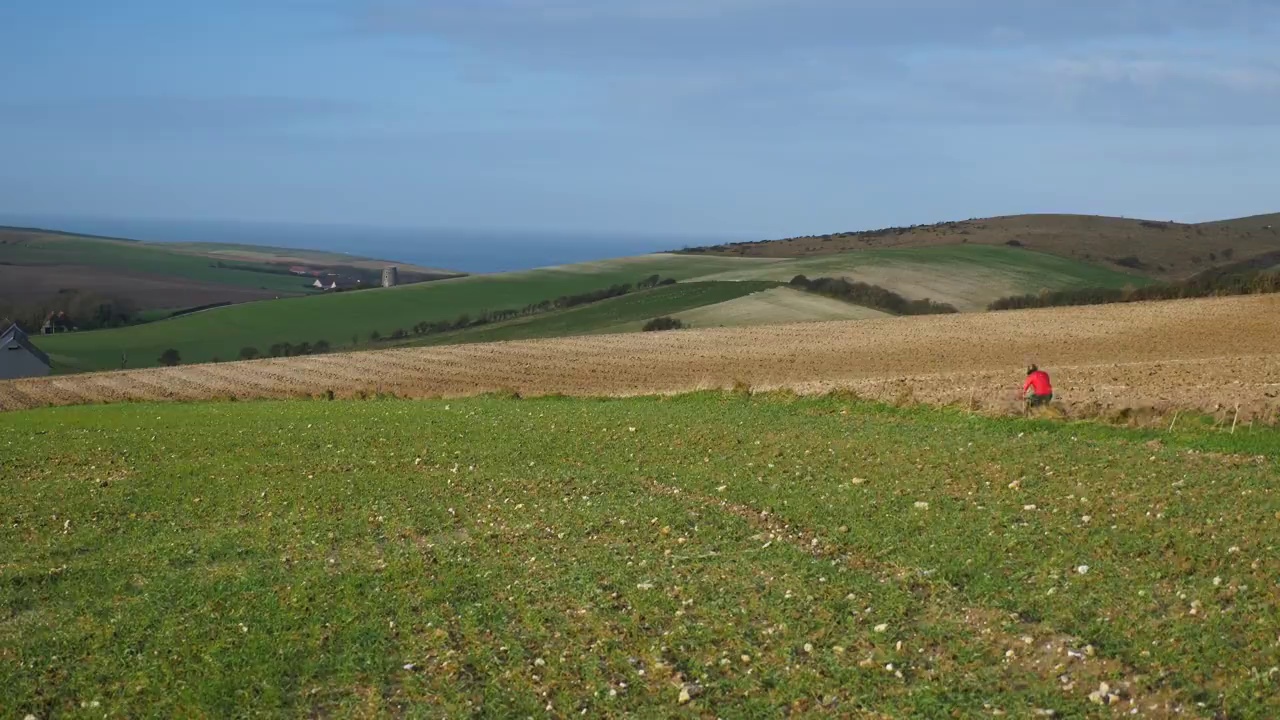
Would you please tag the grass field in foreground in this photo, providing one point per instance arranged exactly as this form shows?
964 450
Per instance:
701 555
345 317
621 314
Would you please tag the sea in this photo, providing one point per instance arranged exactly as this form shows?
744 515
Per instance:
470 251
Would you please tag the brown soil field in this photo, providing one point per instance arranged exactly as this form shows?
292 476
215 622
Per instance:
1166 250
1206 355
26 283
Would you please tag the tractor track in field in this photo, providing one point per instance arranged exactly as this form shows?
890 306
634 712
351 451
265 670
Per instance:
1028 647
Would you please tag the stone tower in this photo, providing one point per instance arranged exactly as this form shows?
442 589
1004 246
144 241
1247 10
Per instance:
390 277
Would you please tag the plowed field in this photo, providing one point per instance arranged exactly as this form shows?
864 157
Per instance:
1189 354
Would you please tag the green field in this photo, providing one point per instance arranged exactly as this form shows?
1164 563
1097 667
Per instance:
345 317
139 257
968 276
615 315
696 556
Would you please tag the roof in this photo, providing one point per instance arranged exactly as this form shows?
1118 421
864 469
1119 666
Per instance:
15 334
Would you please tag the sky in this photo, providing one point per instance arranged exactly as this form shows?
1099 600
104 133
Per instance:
731 118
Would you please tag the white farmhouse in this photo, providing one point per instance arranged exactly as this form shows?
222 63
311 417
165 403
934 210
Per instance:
19 358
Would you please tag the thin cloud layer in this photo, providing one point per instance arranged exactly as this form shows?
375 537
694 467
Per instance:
1163 62
756 117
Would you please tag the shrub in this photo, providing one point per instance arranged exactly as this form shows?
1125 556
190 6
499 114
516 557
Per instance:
249 353
170 358
1208 285
321 346
663 323
872 296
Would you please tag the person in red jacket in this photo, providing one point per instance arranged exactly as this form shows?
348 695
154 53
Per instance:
1039 385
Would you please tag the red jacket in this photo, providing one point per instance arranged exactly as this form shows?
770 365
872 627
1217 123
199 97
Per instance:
1038 382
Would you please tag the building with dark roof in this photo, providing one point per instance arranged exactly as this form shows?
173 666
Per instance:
19 358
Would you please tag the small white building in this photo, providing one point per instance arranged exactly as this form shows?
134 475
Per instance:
19 358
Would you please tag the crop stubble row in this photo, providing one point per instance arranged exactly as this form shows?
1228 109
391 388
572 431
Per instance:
1194 354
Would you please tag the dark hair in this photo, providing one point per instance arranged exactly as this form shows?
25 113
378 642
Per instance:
1032 369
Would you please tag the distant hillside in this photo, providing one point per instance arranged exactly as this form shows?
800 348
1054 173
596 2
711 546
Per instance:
966 276
1155 249
111 281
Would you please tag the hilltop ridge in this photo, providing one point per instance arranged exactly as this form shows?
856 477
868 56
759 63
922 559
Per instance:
1155 248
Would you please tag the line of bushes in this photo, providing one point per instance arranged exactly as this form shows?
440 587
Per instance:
872 296
286 349
196 309
564 302
71 309
661 324
1209 285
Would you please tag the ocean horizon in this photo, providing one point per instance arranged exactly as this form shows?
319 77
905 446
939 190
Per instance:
470 251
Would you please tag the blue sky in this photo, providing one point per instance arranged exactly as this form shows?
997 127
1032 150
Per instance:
753 118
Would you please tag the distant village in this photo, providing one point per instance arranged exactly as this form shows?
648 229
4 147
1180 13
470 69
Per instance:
328 281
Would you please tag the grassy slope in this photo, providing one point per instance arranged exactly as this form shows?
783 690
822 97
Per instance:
415 558
623 314
139 257
775 306
1169 250
337 318
968 276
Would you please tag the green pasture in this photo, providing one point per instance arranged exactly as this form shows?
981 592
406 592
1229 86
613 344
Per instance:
700 556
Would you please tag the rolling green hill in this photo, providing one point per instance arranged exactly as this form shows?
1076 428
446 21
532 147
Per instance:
347 319
1158 249
966 276
129 258
44 271
616 315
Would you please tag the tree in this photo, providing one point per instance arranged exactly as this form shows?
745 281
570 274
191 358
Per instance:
249 353
170 357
